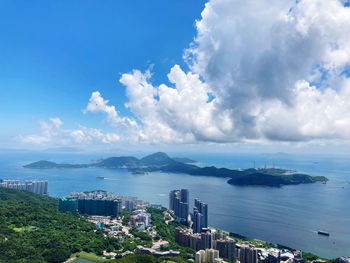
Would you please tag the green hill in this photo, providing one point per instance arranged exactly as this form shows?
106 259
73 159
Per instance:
33 230
48 165
157 159
162 162
119 162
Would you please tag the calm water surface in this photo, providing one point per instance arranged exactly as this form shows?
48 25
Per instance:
290 215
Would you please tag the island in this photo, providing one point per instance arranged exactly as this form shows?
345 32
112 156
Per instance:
161 162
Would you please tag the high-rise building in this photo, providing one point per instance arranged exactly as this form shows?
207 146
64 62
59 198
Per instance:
206 240
37 187
197 221
225 245
129 205
211 255
178 202
221 246
204 212
172 196
200 216
231 250
103 207
184 195
207 256
200 256
195 242
68 204
248 254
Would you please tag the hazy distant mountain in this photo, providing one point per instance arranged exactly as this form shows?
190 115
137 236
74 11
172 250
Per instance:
64 150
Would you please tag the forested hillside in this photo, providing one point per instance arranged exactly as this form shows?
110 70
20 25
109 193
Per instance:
33 230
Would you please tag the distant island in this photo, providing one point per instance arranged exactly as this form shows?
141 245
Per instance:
161 162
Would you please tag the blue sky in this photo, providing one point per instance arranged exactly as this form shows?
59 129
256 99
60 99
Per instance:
54 54
220 75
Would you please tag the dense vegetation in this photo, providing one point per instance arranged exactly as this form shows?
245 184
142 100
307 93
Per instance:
126 215
49 165
267 179
140 234
33 230
162 162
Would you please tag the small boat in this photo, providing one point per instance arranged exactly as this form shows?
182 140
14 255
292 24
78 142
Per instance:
324 233
100 177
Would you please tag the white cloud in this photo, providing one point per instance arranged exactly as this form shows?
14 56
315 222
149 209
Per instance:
52 133
277 69
98 104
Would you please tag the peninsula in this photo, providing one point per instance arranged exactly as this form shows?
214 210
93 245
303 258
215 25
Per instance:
161 162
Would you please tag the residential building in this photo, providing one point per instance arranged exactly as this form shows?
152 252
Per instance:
178 203
68 204
37 187
207 256
129 205
102 207
200 216
206 240
247 253
140 216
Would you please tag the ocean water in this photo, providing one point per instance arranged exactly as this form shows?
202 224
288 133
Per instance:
290 215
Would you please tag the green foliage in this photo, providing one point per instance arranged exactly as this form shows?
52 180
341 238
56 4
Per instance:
310 257
57 236
167 231
125 214
49 165
164 231
140 234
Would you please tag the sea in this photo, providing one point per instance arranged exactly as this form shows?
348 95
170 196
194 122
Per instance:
290 215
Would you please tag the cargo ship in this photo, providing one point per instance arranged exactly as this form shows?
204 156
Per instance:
324 233
100 177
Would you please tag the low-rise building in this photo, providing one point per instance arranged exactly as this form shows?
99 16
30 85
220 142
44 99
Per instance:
159 244
156 253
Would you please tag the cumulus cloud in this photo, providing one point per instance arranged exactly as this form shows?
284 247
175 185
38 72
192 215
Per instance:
269 70
98 104
276 66
278 70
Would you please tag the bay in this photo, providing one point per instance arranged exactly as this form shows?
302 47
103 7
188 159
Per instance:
290 215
